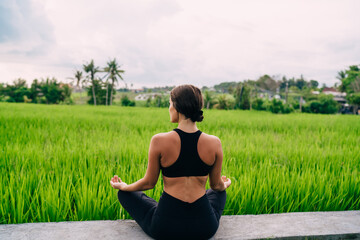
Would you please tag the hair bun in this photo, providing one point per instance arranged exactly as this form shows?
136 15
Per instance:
198 116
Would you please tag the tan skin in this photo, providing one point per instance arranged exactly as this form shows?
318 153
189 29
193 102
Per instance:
165 148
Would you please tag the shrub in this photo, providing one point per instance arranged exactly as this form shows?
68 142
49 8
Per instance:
287 108
294 103
224 101
325 104
125 101
259 104
275 106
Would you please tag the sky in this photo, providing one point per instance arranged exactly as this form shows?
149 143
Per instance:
172 42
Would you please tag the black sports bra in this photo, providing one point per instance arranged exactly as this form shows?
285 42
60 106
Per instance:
189 162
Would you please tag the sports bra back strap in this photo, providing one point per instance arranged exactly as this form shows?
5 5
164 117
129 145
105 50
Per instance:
188 136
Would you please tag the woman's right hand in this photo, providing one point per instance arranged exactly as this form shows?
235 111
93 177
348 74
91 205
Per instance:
227 181
117 183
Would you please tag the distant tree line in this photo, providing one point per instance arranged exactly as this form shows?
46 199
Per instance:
261 95
267 93
48 91
278 96
159 99
285 95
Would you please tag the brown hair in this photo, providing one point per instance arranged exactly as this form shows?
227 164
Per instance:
188 100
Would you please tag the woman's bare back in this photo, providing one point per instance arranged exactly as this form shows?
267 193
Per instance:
187 189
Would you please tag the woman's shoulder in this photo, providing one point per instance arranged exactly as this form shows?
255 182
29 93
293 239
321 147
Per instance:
210 140
172 136
164 136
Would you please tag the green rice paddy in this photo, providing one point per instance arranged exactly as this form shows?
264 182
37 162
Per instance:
56 161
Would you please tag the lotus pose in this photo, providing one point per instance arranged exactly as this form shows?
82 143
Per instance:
187 157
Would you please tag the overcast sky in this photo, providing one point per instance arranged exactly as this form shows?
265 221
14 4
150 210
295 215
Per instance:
164 42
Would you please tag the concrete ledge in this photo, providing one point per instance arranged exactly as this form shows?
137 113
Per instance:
308 225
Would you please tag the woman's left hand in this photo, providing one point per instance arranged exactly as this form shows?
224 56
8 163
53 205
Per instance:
117 183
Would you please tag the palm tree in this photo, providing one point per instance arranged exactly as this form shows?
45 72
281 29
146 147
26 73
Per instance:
78 78
113 72
208 98
341 75
91 70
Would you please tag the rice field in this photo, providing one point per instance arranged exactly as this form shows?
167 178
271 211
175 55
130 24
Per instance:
56 161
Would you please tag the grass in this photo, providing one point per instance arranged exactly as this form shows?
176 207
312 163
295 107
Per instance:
56 161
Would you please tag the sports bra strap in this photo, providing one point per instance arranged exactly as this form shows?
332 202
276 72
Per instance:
189 162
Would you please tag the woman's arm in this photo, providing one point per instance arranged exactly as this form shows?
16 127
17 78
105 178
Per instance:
152 172
218 182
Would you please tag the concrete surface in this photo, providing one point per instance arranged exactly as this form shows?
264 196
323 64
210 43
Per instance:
309 225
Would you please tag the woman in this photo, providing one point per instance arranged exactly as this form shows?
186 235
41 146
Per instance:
186 157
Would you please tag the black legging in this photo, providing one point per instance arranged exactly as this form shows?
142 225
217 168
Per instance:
172 218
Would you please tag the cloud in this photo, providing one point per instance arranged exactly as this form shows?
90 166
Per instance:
161 42
8 31
25 29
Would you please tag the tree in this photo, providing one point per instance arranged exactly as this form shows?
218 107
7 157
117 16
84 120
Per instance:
350 83
354 100
47 91
224 86
268 83
242 96
17 91
350 80
314 84
106 84
208 99
53 91
91 70
35 91
301 95
78 78
113 73
100 92
341 75
301 83
224 101
2 91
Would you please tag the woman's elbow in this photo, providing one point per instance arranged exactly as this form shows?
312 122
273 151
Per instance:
217 187
150 184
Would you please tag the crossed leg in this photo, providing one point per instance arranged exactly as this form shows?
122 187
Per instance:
217 201
140 207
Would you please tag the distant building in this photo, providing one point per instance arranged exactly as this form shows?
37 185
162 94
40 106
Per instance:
338 96
333 92
277 96
268 94
69 85
137 90
145 96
